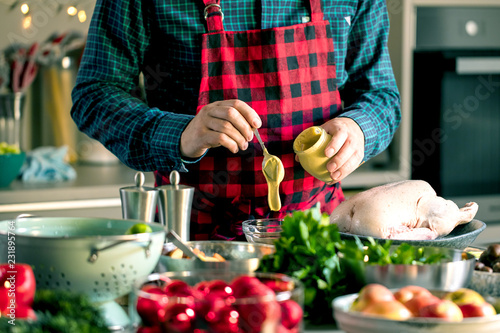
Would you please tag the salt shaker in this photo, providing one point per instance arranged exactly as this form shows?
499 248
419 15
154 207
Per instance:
174 206
139 201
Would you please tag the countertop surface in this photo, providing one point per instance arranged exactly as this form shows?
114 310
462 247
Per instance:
94 193
92 181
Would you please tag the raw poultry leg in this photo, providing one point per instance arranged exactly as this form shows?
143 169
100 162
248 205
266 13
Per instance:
408 209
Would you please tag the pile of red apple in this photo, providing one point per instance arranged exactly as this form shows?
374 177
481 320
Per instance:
415 301
245 304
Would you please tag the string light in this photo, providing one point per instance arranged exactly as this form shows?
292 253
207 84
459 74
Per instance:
82 16
25 8
27 22
72 11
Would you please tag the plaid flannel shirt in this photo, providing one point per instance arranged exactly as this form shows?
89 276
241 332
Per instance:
162 39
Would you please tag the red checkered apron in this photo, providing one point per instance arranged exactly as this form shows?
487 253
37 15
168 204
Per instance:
287 75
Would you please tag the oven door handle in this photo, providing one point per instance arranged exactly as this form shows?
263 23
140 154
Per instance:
477 65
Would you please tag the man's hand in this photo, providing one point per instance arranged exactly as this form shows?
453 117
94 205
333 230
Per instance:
226 123
347 147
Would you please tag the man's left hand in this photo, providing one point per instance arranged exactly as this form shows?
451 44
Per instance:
347 147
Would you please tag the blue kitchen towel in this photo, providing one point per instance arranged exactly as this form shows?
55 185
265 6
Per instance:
46 164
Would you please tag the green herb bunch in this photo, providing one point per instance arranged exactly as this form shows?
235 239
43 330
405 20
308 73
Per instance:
307 250
311 250
59 311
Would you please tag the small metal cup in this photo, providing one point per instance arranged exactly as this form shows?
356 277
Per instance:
174 206
139 202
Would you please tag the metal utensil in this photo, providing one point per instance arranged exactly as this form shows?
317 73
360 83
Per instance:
273 170
174 238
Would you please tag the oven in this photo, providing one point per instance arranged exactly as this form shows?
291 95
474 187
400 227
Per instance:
456 105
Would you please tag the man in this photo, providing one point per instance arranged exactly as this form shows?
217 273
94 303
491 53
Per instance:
215 71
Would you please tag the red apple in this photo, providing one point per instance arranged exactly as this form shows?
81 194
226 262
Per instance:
464 296
179 288
291 314
179 318
242 284
388 309
474 310
225 320
203 287
372 293
444 309
408 292
263 316
283 329
148 329
420 301
217 285
151 309
209 306
278 285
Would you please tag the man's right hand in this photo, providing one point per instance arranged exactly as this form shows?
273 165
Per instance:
226 123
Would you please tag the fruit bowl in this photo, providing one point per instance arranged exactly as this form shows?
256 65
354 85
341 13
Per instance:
262 230
357 322
450 274
238 256
10 164
215 301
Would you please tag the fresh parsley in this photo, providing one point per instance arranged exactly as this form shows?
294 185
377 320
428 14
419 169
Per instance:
311 250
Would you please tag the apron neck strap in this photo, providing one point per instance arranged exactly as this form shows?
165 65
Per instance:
213 15
316 10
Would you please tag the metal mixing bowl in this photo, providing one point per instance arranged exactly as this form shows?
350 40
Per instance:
448 275
240 256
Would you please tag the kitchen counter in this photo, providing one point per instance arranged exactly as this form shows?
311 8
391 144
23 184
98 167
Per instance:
94 193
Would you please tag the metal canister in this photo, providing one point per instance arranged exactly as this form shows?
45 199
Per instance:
174 206
139 201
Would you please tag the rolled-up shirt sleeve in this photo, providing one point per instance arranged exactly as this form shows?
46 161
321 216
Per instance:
369 92
107 103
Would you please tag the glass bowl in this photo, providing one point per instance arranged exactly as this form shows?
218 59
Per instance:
213 301
262 230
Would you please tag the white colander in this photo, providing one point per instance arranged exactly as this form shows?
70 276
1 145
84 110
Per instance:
86 255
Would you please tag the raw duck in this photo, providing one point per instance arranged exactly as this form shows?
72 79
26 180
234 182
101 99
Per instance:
409 210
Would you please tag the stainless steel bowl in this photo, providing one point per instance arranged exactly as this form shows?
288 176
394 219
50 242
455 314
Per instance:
449 275
240 256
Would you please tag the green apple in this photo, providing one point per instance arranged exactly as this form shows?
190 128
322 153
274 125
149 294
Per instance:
5 148
139 228
465 296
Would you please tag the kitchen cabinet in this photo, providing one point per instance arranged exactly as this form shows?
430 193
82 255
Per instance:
94 193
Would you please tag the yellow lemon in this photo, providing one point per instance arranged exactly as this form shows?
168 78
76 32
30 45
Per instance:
139 228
